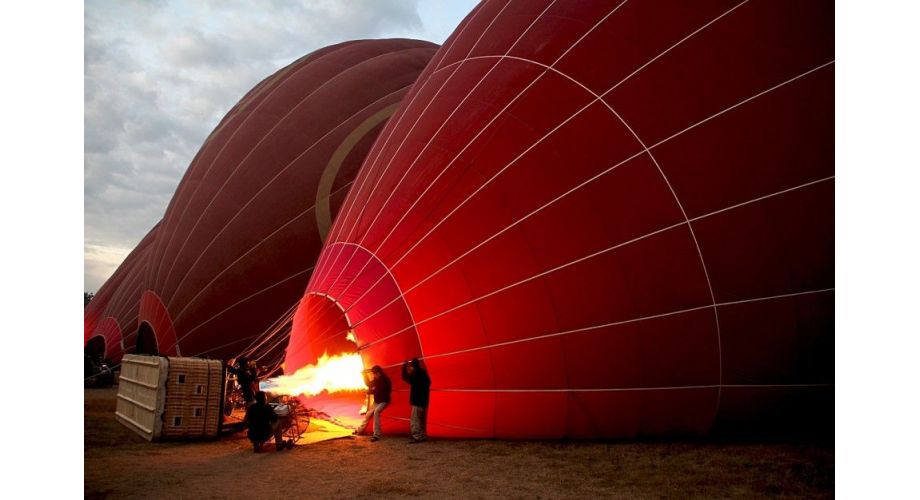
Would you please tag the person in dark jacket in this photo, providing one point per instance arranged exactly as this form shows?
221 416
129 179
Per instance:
379 386
246 377
419 389
263 424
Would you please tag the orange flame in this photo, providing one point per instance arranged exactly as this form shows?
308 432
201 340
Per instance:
351 336
330 373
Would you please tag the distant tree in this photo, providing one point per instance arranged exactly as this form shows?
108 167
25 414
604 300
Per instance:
87 297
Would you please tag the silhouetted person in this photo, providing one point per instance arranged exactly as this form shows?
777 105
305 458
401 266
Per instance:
263 423
245 376
419 389
378 385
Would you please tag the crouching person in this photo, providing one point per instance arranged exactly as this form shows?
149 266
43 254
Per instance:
379 386
263 424
419 389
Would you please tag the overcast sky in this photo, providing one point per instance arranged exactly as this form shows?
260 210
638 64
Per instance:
159 76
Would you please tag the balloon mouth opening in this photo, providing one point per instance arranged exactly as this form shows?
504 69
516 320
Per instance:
327 374
346 404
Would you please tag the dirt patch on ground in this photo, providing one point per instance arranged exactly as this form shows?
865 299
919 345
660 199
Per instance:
119 464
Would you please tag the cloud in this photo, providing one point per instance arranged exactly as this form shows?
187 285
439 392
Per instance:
159 76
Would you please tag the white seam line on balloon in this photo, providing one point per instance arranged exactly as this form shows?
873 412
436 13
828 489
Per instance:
123 334
621 323
405 254
755 200
640 68
726 110
481 131
129 305
271 331
774 297
164 315
122 308
189 332
281 121
280 335
177 196
355 225
133 260
140 312
274 178
667 228
121 345
125 300
133 279
365 172
453 44
223 346
159 336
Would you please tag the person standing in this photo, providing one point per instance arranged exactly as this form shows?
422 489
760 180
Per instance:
419 389
378 385
246 378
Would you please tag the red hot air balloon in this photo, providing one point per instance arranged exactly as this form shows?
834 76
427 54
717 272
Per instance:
599 219
241 235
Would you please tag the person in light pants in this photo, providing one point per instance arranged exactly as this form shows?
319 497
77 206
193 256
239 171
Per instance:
380 387
419 389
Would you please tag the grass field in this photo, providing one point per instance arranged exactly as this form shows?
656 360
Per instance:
119 464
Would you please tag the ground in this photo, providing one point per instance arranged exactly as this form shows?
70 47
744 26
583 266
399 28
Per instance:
119 464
